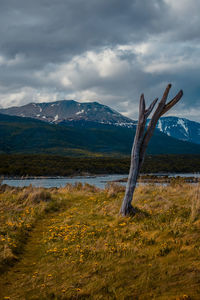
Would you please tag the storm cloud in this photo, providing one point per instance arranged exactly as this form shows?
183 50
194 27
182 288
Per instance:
100 50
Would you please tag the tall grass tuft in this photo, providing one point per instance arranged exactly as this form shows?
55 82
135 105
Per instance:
113 189
195 203
40 195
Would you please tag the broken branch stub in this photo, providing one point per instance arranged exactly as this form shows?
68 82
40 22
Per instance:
141 141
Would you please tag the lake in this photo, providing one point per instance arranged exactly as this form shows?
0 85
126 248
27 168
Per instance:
98 181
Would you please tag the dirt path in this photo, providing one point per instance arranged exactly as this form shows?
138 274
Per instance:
14 282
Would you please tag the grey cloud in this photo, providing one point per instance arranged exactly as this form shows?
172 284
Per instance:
53 30
39 38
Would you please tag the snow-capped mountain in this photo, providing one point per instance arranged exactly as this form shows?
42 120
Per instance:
180 128
72 113
70 110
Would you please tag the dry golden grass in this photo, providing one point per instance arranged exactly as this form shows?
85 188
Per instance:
81 249
195 209
19 210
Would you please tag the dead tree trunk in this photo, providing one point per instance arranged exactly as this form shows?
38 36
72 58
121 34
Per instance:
141 141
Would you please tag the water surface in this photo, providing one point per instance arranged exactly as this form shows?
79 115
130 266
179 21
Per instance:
98 181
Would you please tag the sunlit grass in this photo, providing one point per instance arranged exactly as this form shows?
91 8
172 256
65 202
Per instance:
81 248
19 210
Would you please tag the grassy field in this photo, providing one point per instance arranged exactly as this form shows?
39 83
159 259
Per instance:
70 243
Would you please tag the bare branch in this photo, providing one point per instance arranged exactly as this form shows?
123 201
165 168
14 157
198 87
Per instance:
172 102
166 92
150 108
160 110
142 105
141 123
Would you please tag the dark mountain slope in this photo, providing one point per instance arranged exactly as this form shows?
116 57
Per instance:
70 112
26 135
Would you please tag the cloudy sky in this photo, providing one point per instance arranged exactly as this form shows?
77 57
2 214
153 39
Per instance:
100 50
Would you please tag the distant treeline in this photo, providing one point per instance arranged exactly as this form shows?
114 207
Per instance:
50 165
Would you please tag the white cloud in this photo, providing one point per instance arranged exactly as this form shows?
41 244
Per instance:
20 97
183 6
84 70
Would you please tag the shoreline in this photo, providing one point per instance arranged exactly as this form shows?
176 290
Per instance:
55 177
163 179
146 177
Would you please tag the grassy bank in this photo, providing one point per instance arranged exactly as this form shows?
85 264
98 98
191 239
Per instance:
75 246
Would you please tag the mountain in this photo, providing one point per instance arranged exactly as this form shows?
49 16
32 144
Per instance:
28 135
68 110
72 114
180 128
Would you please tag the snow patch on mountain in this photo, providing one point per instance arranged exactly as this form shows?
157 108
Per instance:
182 123
159 125
80 112
56 118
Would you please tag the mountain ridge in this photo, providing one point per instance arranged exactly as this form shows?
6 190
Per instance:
28 135
67 110
71 113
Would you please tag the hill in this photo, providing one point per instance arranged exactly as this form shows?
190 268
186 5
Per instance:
180 128
27 135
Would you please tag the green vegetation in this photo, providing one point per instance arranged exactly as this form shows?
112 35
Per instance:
26 135
75 246
50 165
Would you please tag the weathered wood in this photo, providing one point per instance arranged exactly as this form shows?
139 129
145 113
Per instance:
171 103
133 172
160 110
141 141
